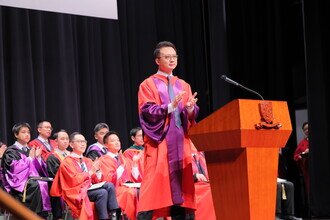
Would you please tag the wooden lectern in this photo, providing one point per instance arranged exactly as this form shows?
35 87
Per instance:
242 160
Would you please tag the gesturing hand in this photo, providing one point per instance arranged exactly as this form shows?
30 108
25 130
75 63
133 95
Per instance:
2 149
96 165
32 152
38 152
192 101
178 98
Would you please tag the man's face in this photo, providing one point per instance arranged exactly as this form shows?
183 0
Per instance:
167 60
62 140
23 135
78 144
45 129
100 134
305 130
113 143
138 139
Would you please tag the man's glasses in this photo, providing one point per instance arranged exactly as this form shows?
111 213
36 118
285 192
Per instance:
169 57
47 127
80 141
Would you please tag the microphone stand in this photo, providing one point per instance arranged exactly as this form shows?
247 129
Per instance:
225 78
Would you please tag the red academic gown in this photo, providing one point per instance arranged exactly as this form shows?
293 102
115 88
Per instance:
204 201
71 183
156 191
44 151
303 162
126 196
129 154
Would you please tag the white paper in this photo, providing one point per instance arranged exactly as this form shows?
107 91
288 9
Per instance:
96 186
279 180
132 185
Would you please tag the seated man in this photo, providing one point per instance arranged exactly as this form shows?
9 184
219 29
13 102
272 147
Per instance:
98 149
53 163
43 141
285 200
117 169
73 180
204 201
20 164
135 154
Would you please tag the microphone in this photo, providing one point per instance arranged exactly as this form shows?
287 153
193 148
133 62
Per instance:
228 80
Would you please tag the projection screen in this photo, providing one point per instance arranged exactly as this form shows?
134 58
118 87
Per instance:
94 8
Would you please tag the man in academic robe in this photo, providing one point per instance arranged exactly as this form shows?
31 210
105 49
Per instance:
117 169
167 109
204 201
53 163
98 149
301 156
21 167
43 140
74 179
135 154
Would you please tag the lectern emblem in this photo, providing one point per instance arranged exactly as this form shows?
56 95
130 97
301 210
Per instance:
267 118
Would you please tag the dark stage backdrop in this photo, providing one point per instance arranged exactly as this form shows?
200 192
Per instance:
77 71
316 15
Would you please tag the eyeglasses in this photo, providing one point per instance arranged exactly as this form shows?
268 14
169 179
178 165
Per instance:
169 57
80 141
47 127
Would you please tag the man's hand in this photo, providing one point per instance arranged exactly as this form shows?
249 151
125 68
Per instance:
191 101
96 165
177 99
38 151
137 157
2 149
32 152
200 177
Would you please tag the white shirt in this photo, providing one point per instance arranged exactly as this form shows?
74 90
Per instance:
170 107
120 170
45 142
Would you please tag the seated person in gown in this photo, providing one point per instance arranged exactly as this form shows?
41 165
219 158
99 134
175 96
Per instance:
19 164
117 169
43 140
53 163
98 149
73 180
135 154
284 194
285 200
204 201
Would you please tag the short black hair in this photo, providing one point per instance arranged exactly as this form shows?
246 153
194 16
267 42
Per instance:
40 122
162 44
105 138
73 135
18 126
134 131
100 126
55 136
